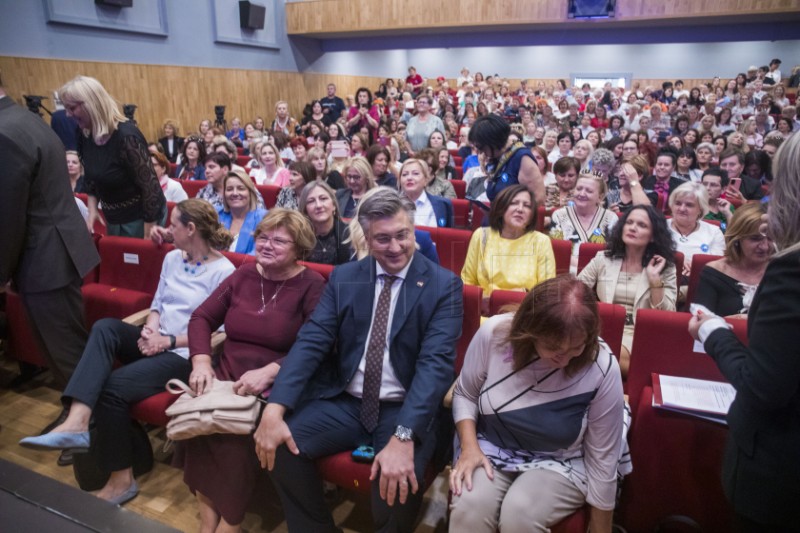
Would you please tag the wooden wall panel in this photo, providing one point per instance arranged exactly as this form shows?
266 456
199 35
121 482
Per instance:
320 17
186 94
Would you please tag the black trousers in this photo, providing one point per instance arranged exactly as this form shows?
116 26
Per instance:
325 427
56 319
111 392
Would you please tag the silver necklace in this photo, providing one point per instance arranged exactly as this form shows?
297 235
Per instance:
274 296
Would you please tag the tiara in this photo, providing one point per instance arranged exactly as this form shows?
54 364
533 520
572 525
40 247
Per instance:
589 172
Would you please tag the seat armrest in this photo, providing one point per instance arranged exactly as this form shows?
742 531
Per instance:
217 342
448 398
138 318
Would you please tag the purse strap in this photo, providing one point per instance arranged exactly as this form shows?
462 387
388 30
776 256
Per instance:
176 386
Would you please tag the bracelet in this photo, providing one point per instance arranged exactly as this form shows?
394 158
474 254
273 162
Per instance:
172 341
659 285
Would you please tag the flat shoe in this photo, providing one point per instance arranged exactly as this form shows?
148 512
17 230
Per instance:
66 458
58 441
126 496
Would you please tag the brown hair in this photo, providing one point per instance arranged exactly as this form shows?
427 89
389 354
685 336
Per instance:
551 312
161 159
296 224
501 203
247 182
306 170
205 219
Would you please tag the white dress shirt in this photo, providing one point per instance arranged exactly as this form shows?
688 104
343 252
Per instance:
424 215
391 388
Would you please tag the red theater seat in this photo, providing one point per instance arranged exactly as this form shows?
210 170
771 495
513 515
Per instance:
460 188
341 470
699 261
451 245
270 194
587 251
129 274
461 210
242 160
562 250
192 187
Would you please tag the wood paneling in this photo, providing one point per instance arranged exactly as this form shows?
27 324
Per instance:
320 17
186 94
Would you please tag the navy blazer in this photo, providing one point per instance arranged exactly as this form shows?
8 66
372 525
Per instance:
443 209
422 343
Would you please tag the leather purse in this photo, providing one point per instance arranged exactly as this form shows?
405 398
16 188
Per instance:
218 410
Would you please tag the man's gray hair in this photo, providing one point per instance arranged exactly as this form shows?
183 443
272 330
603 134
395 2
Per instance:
382 202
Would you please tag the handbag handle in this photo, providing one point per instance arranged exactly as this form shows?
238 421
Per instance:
176 386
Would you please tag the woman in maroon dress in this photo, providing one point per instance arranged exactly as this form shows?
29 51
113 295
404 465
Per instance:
262 306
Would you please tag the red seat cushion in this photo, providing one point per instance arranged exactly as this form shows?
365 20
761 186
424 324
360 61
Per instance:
151 410
451 246
341 470
22 343
102 301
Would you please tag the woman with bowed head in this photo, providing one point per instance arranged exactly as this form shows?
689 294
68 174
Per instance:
509 254
173 191
150 356
240 212
359 179
271 171
301 173
727 285
431 210
540 417
689 204
318 204
193 154
319 160
114 153
584 219
379 159
277 291
760 473
636 270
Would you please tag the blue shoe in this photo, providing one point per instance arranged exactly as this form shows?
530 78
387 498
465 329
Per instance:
58 441
126 496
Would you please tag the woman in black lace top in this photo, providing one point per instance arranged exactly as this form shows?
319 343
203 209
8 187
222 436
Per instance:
118 172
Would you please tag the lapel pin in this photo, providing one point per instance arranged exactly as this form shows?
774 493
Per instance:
420 283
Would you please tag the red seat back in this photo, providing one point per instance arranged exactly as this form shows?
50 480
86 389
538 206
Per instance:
562 250
192 187
238 259
242 160
129 263
173 168
587 251
662 344
612 316
451 246
460 187
541 213
472 321
461 210
699 261
478 214
319 268
270 194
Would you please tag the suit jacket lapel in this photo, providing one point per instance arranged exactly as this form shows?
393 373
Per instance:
611 278
415 283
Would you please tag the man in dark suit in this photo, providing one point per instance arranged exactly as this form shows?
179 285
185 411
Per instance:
46 248
385 333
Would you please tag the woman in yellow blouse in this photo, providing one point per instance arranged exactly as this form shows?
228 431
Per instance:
509 254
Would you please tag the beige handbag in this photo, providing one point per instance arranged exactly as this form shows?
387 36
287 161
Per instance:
218 410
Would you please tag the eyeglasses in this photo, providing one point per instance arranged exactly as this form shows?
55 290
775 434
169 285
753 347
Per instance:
72 107
353 177
275 241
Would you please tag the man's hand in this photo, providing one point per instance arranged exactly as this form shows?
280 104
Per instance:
396 465
272 431
160 235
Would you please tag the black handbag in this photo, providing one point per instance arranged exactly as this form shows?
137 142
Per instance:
89 474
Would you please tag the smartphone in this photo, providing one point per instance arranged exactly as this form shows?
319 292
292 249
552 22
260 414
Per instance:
735 183
339 149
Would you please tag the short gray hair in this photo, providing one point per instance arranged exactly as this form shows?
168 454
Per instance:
382 202
696 191
708 146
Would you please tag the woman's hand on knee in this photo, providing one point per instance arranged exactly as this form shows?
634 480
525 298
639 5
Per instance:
463 470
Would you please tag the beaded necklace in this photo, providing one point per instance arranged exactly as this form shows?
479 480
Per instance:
188 262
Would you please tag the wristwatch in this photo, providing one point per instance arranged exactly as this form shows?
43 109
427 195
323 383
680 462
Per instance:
172 341
634 183
403 433
658 285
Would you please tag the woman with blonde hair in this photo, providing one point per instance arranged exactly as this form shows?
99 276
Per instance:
751 136
319 160
727 285
114 154
75 172
150 356
240 212
283 122
358 179
431 210
171 141
271 171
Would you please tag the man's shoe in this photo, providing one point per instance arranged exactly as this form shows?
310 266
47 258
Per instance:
58 441
66 458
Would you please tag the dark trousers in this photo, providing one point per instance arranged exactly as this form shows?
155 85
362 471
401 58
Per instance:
56 318
325 427
110 393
